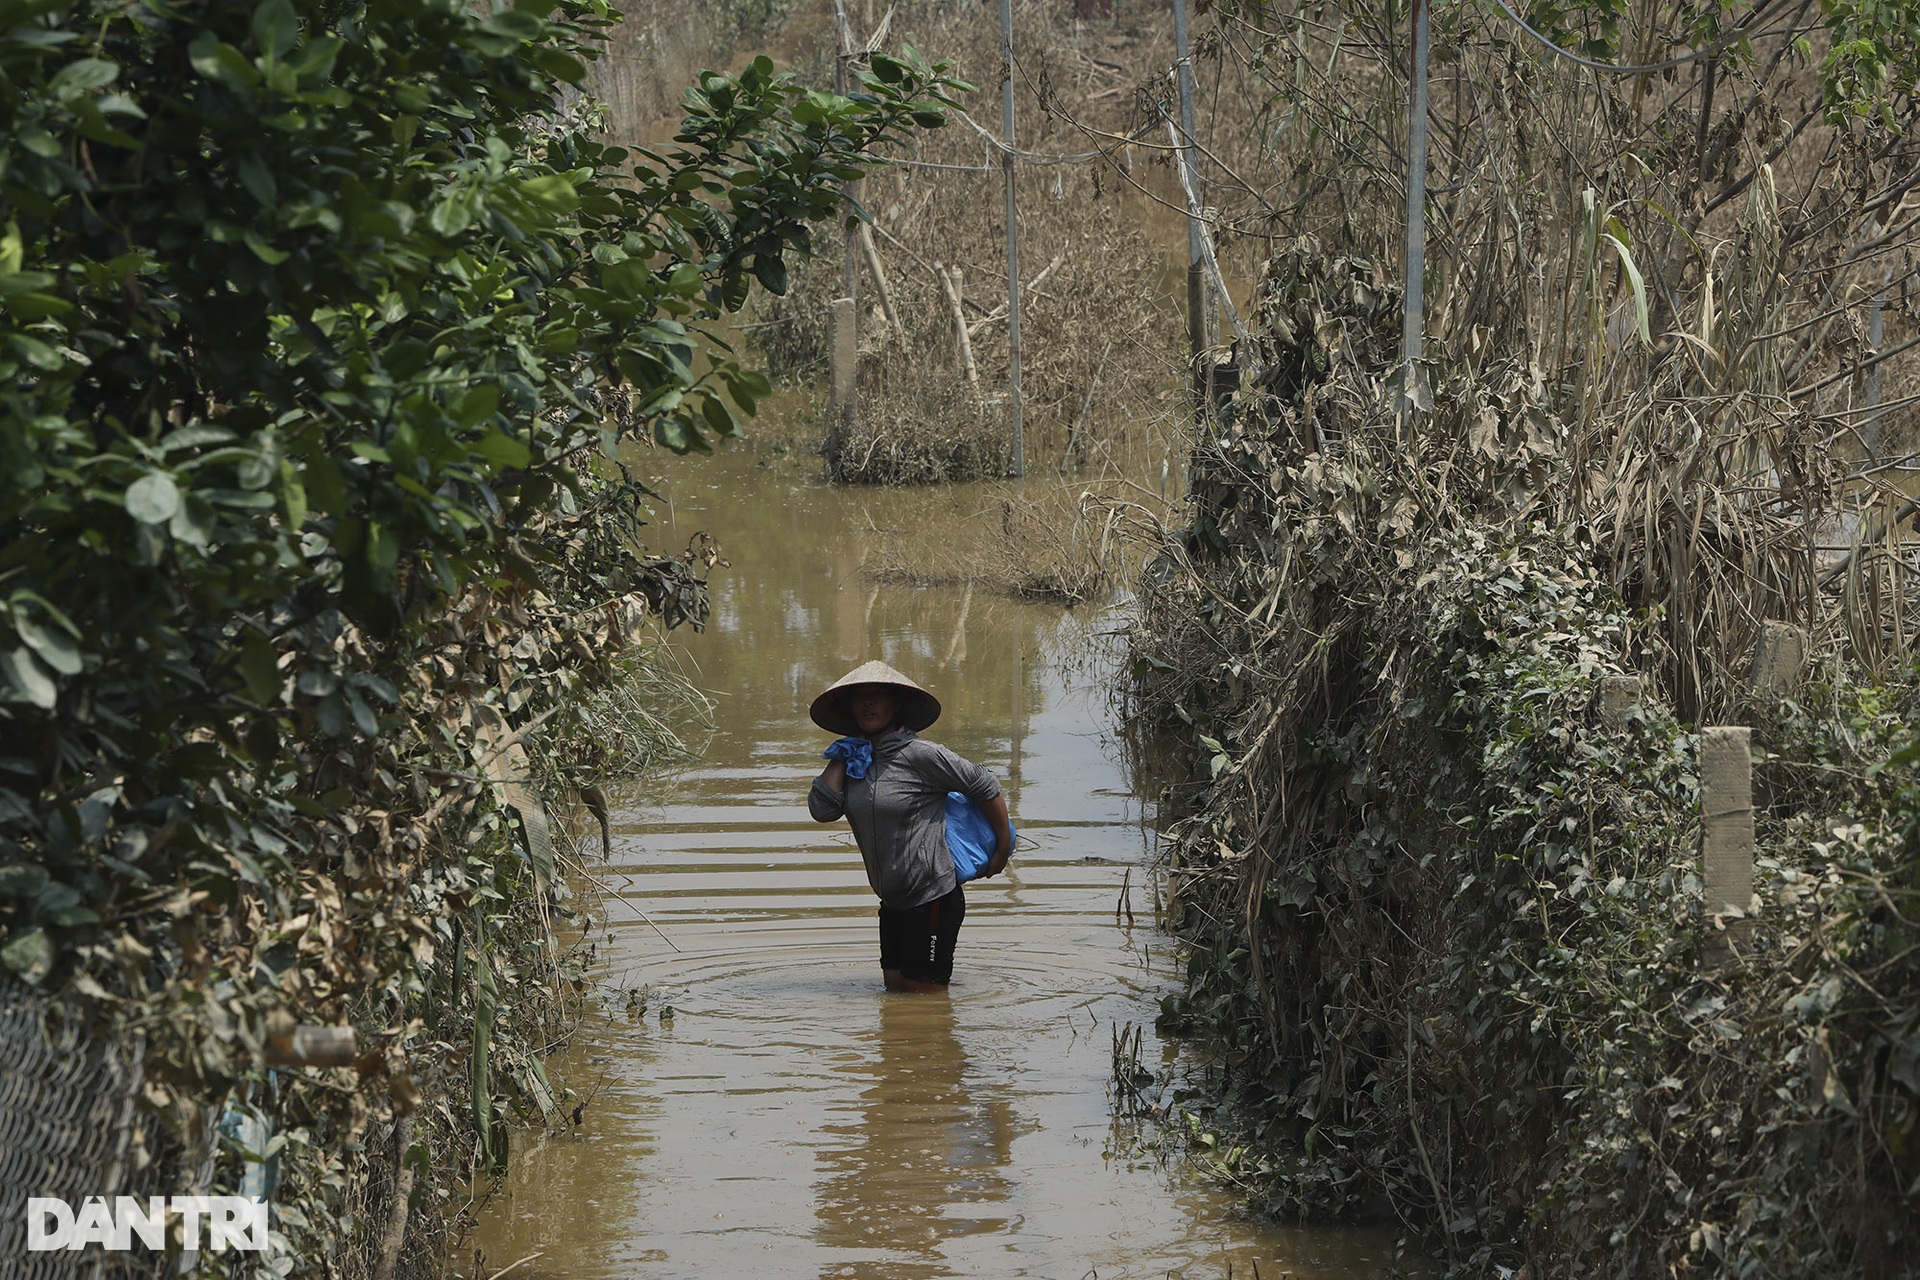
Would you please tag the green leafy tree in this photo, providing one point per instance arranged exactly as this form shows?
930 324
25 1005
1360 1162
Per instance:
321 326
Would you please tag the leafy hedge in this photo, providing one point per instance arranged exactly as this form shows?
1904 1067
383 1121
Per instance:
322 328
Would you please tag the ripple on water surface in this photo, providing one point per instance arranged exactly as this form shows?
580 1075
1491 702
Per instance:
791 1120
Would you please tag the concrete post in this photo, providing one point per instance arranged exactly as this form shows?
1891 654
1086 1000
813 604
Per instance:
1726 832
1616 698
1778 656
844 352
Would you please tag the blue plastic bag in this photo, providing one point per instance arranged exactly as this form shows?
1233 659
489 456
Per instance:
970 837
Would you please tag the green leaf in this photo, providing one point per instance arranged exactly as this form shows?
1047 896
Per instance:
770 269
325 489
36 353
293 497
719 416
561 66
517 24
20 881
316 58
193 523
552 191
193 437
222 63
275 28
35 306
383 552
54 646
24 672
30 955
481 402
257 178
486 1001
83 76
539 840
259 665
503 450
1638 285
265 252
153 498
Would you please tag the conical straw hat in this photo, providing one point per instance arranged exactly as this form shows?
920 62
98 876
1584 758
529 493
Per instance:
917 707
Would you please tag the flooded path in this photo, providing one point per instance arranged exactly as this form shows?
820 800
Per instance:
766 1111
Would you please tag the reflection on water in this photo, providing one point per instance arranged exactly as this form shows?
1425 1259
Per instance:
792 1120
927 1144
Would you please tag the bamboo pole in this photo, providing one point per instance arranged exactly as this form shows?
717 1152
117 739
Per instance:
1209 260
1019 461
950 284
872 256
1199 313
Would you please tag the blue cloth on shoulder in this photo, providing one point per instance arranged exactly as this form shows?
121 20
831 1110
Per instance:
856 752
970 837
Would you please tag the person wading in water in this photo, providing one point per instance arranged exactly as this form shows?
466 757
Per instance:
891 786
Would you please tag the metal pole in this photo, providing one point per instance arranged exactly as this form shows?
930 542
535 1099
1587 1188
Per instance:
1199 313
844 349
1416 253
1013 239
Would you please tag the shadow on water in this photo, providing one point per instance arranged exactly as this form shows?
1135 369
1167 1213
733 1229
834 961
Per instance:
768 1111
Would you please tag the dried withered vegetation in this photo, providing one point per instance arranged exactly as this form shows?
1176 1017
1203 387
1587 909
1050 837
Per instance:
1099 338
1043 542
660 47
1445 922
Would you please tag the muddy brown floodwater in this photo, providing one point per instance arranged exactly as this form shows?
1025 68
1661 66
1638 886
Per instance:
789 1119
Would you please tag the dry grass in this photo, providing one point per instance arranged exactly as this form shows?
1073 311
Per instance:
932 439
1100 334
1046 540
660 47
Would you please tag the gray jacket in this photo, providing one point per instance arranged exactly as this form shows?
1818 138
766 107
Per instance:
898 813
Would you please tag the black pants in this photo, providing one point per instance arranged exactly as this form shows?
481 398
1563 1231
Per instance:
919 941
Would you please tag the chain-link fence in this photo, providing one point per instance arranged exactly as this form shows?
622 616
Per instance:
69 1128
